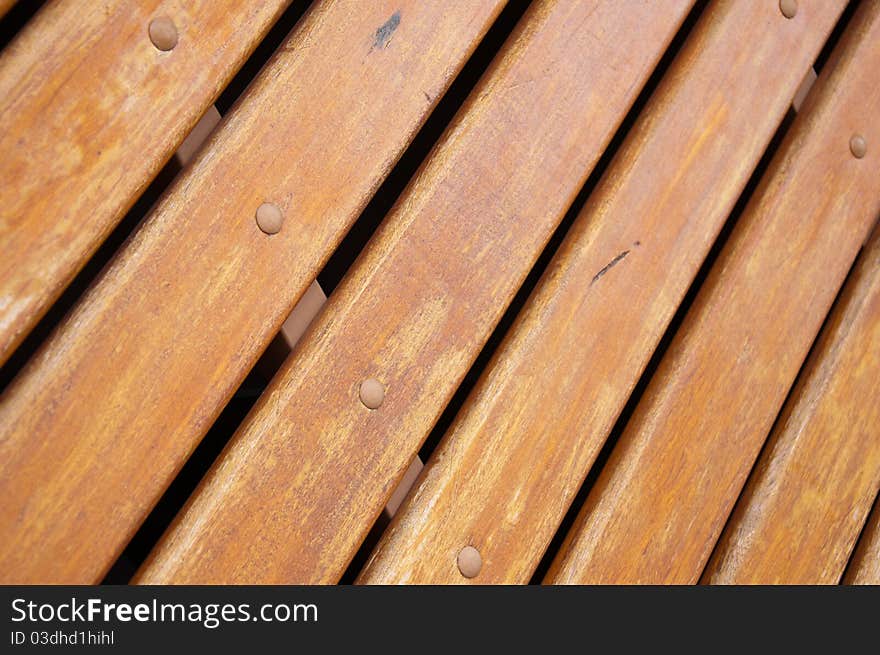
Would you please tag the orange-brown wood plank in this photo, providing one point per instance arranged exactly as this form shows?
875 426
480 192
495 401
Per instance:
811 491
297 489
91 110
100 421
865 565
663 497
525 438
6 5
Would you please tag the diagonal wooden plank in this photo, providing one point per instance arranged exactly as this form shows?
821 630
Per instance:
805 503
865 565
293 496
664 495
6 5
101 420
91 110
522 443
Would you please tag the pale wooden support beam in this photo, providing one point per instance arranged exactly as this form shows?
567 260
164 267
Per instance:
199 134
801 94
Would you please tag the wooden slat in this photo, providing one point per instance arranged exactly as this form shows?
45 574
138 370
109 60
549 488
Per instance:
512 462
100 421
805 503
5 6
865 565
662 498
91 110
297 490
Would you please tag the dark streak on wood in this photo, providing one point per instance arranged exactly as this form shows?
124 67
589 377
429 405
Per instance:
384 33
609 266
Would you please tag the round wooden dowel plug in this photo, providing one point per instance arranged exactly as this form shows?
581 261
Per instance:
788 8
372 393
858 146
163 33
269 218
469 561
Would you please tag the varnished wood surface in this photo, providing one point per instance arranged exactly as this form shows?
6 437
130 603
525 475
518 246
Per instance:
103 417
865 565
6 5
295 492
805 503
511 464
91 110
662 499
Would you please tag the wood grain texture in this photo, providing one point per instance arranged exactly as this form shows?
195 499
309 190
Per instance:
663 497
91 110
297 489
520 447
808 497
865 565
143 365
